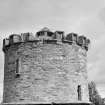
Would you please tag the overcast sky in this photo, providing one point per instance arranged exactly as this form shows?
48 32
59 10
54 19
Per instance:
81 16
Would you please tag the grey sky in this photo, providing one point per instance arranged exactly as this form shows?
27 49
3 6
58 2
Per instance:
81 16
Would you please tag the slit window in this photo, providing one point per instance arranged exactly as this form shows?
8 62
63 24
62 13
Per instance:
17 66
79 92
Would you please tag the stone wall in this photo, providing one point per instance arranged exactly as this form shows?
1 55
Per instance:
47 73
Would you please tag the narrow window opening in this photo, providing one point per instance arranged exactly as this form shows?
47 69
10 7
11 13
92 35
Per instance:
79 92
17 68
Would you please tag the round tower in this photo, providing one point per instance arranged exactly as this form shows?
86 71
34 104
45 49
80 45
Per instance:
49 67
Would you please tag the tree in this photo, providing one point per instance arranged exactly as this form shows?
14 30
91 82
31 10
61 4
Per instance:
94 96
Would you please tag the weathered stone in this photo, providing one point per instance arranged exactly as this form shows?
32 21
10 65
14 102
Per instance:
45 71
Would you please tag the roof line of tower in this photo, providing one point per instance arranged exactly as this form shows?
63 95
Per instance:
47 36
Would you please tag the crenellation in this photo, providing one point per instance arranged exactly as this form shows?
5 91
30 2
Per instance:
5 42
72 37
81 41
87 44
14 38
47 36
59 36
27 37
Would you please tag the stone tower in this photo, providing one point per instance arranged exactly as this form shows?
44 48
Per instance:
48 67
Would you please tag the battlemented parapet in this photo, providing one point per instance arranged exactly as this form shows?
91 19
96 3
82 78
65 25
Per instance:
48 67
46 35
